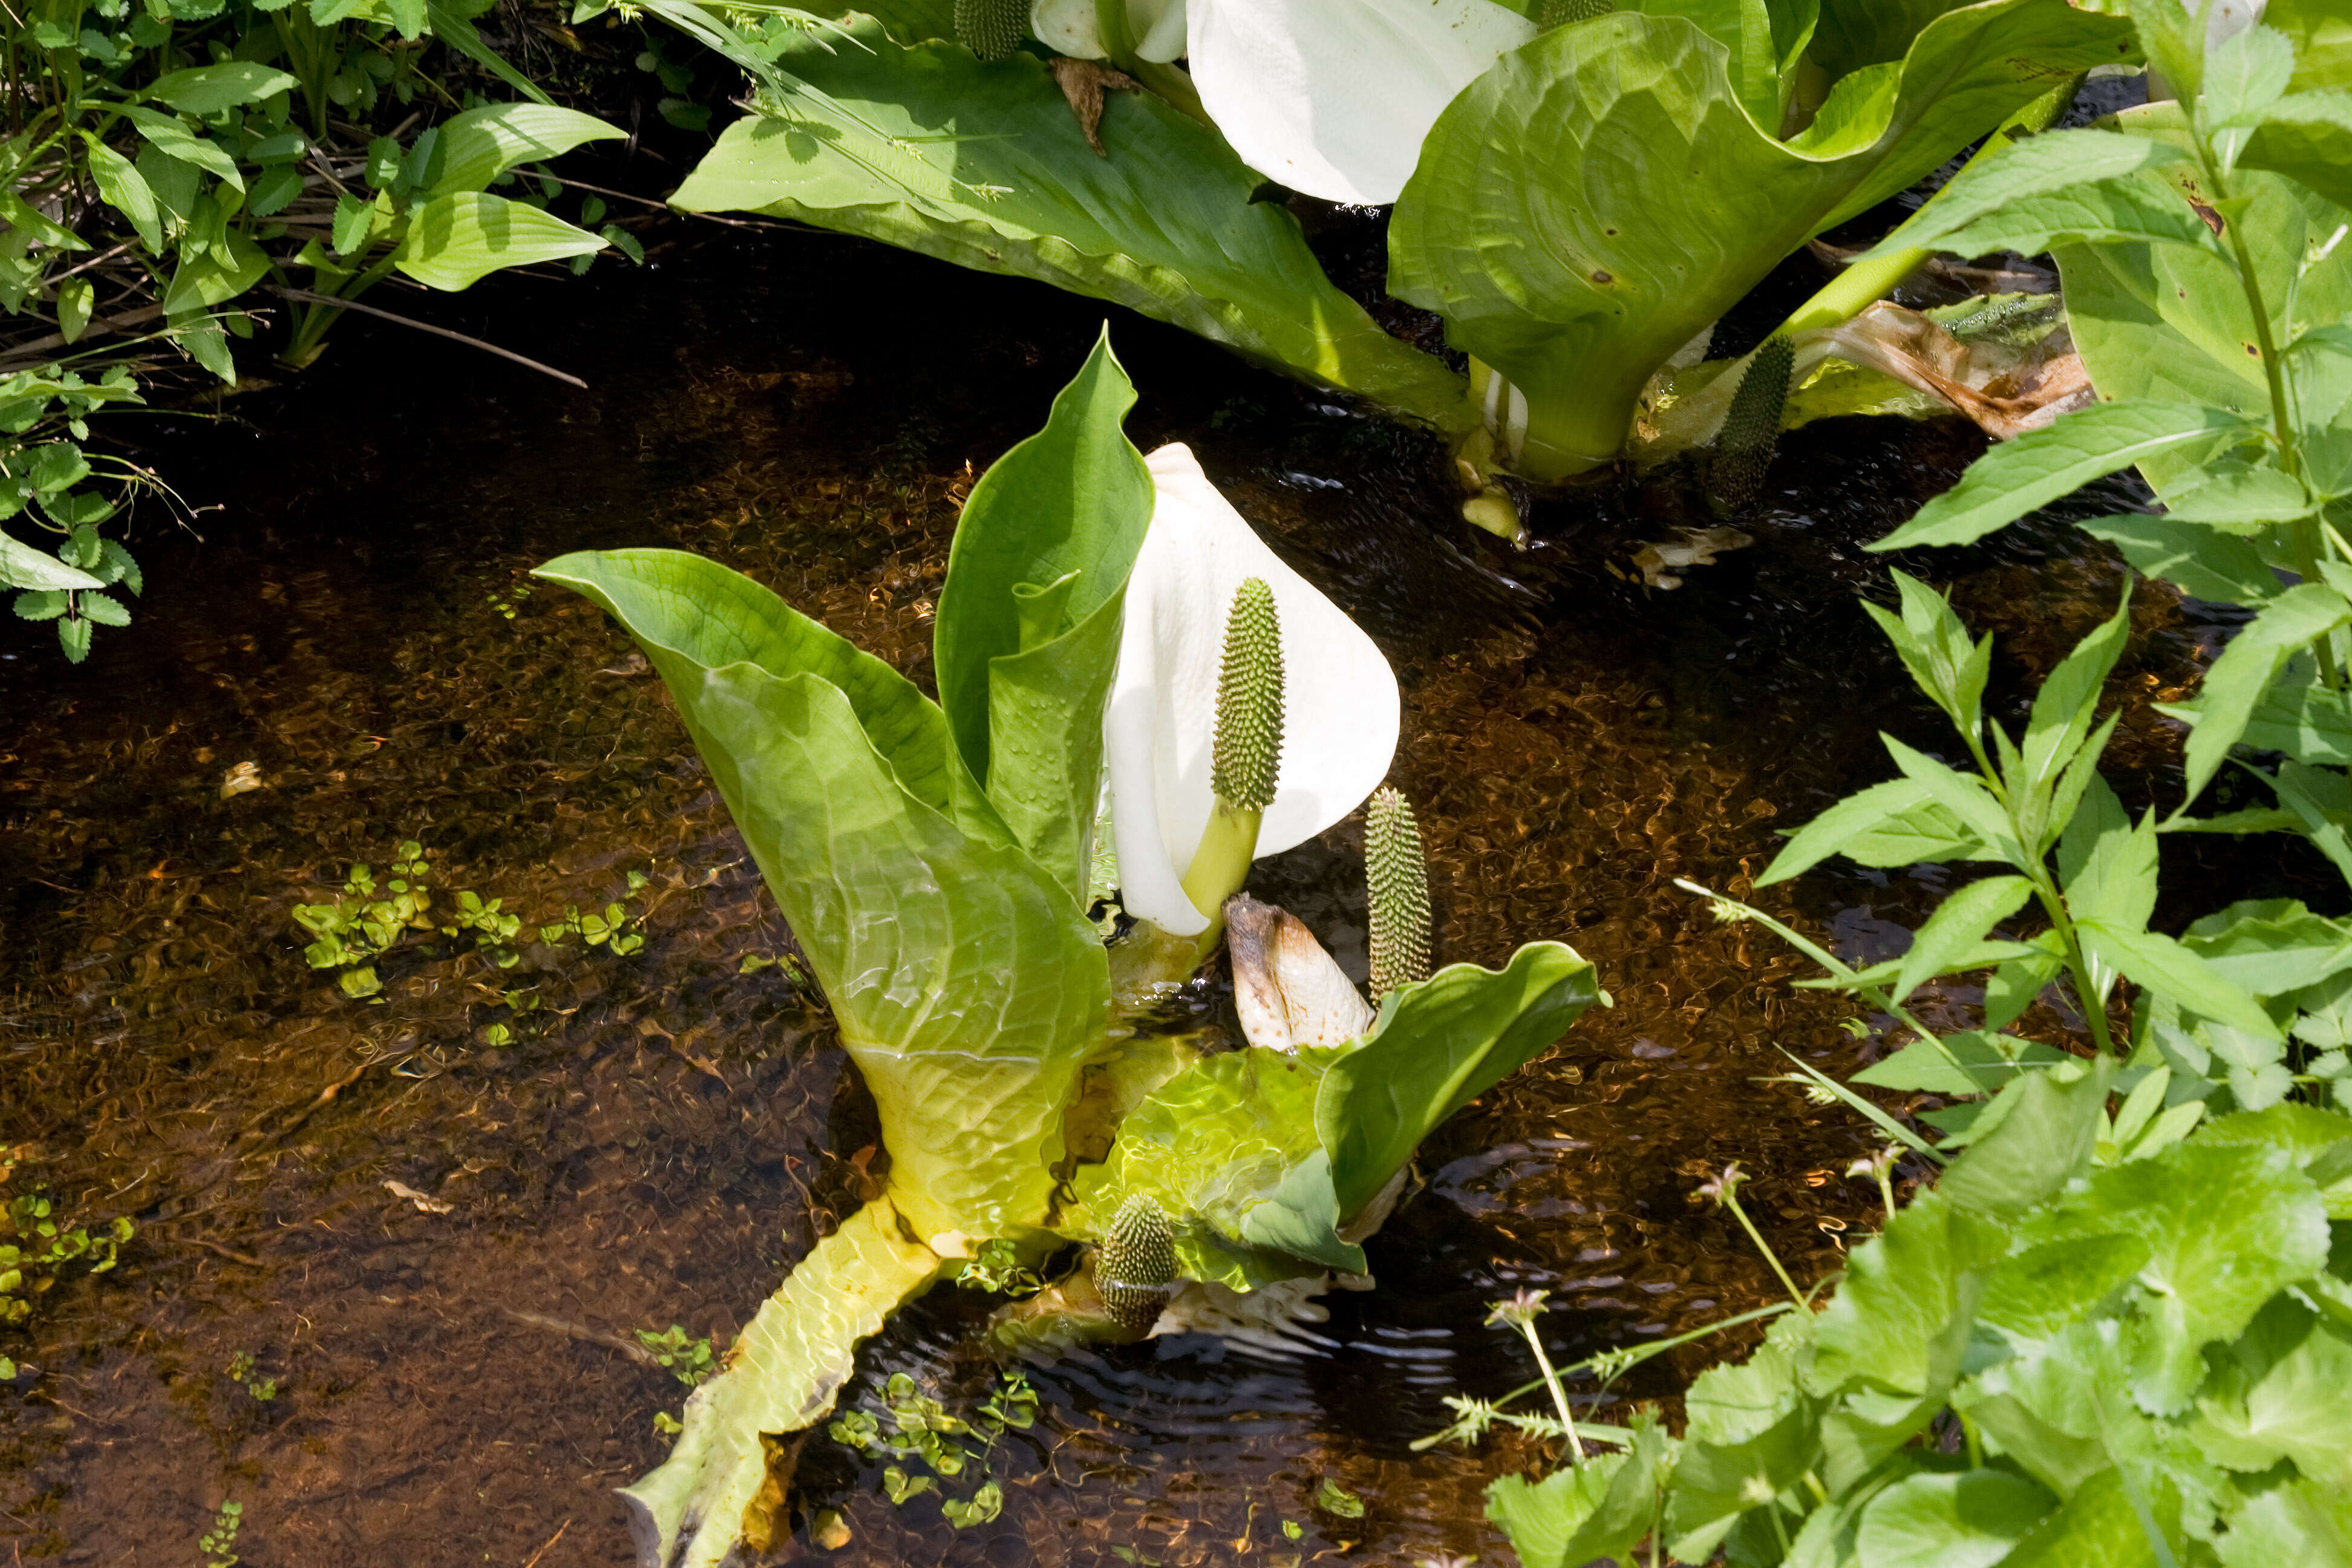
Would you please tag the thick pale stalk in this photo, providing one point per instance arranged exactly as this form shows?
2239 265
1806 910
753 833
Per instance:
782 1375
1221 865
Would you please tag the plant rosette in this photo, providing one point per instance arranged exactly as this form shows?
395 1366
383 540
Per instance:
933 860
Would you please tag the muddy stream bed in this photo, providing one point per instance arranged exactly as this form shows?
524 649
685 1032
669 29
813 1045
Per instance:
434 1218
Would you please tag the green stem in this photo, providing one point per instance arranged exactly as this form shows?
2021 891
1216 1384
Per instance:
1221 865
1731 1201
2078 964
1558 1394
1853 290
2308 546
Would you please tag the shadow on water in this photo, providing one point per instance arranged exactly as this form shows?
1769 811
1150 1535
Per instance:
434 1217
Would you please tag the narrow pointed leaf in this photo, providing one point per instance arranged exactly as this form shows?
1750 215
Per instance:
2248 667
1960 923
2040 466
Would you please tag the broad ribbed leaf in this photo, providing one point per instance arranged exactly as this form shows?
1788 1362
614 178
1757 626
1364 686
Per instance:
982 164
2303 1521
2307 137
455 241
967 983
473 148
1600 194
1436 1047
1964 1521
783 1375
1227 1149
1258 1157
2309 723
1028 625
2170 323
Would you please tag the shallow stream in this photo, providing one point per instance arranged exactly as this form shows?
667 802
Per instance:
433 1219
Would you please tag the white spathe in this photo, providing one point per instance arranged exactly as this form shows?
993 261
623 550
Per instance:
1071 27
1335 97
1339 697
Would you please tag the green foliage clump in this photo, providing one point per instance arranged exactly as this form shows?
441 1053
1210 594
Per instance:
689 1359
177 158
219 1543
357 927
931 1450
2056 1355
38 1244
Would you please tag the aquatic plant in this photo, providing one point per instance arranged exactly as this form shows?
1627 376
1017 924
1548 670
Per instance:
2068 1350
173 160
933 861
1579 201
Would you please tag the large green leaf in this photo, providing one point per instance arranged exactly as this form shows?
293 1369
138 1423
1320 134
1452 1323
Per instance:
1258 1157
1969 1519
2041 465
967 983
2227 1227
982 164
1028 627
1227 1149
473 148
2171 323
783 1375
1600 194
2278 1393
455 241
1436 1047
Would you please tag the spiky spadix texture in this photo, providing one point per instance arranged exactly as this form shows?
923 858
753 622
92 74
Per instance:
991 28
1136 1264
1752 427
1248 752
1399 880
1559 12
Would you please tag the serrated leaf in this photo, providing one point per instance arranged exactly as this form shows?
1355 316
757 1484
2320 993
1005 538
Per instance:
2247 669
2048 1125
2068 700
1829 833
1959 925
2192 557
2060 183
2042 466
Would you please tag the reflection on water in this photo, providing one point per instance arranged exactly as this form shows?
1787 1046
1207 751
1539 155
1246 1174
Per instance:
586 1145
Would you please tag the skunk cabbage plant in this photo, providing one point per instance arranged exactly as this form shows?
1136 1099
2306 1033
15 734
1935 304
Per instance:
1577 201
932 860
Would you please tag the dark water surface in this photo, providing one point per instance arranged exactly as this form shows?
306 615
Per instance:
663 1133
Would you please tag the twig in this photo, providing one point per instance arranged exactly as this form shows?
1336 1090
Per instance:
569 1330
102 256
605 191
34 349
308 297
551 1542
225 1252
